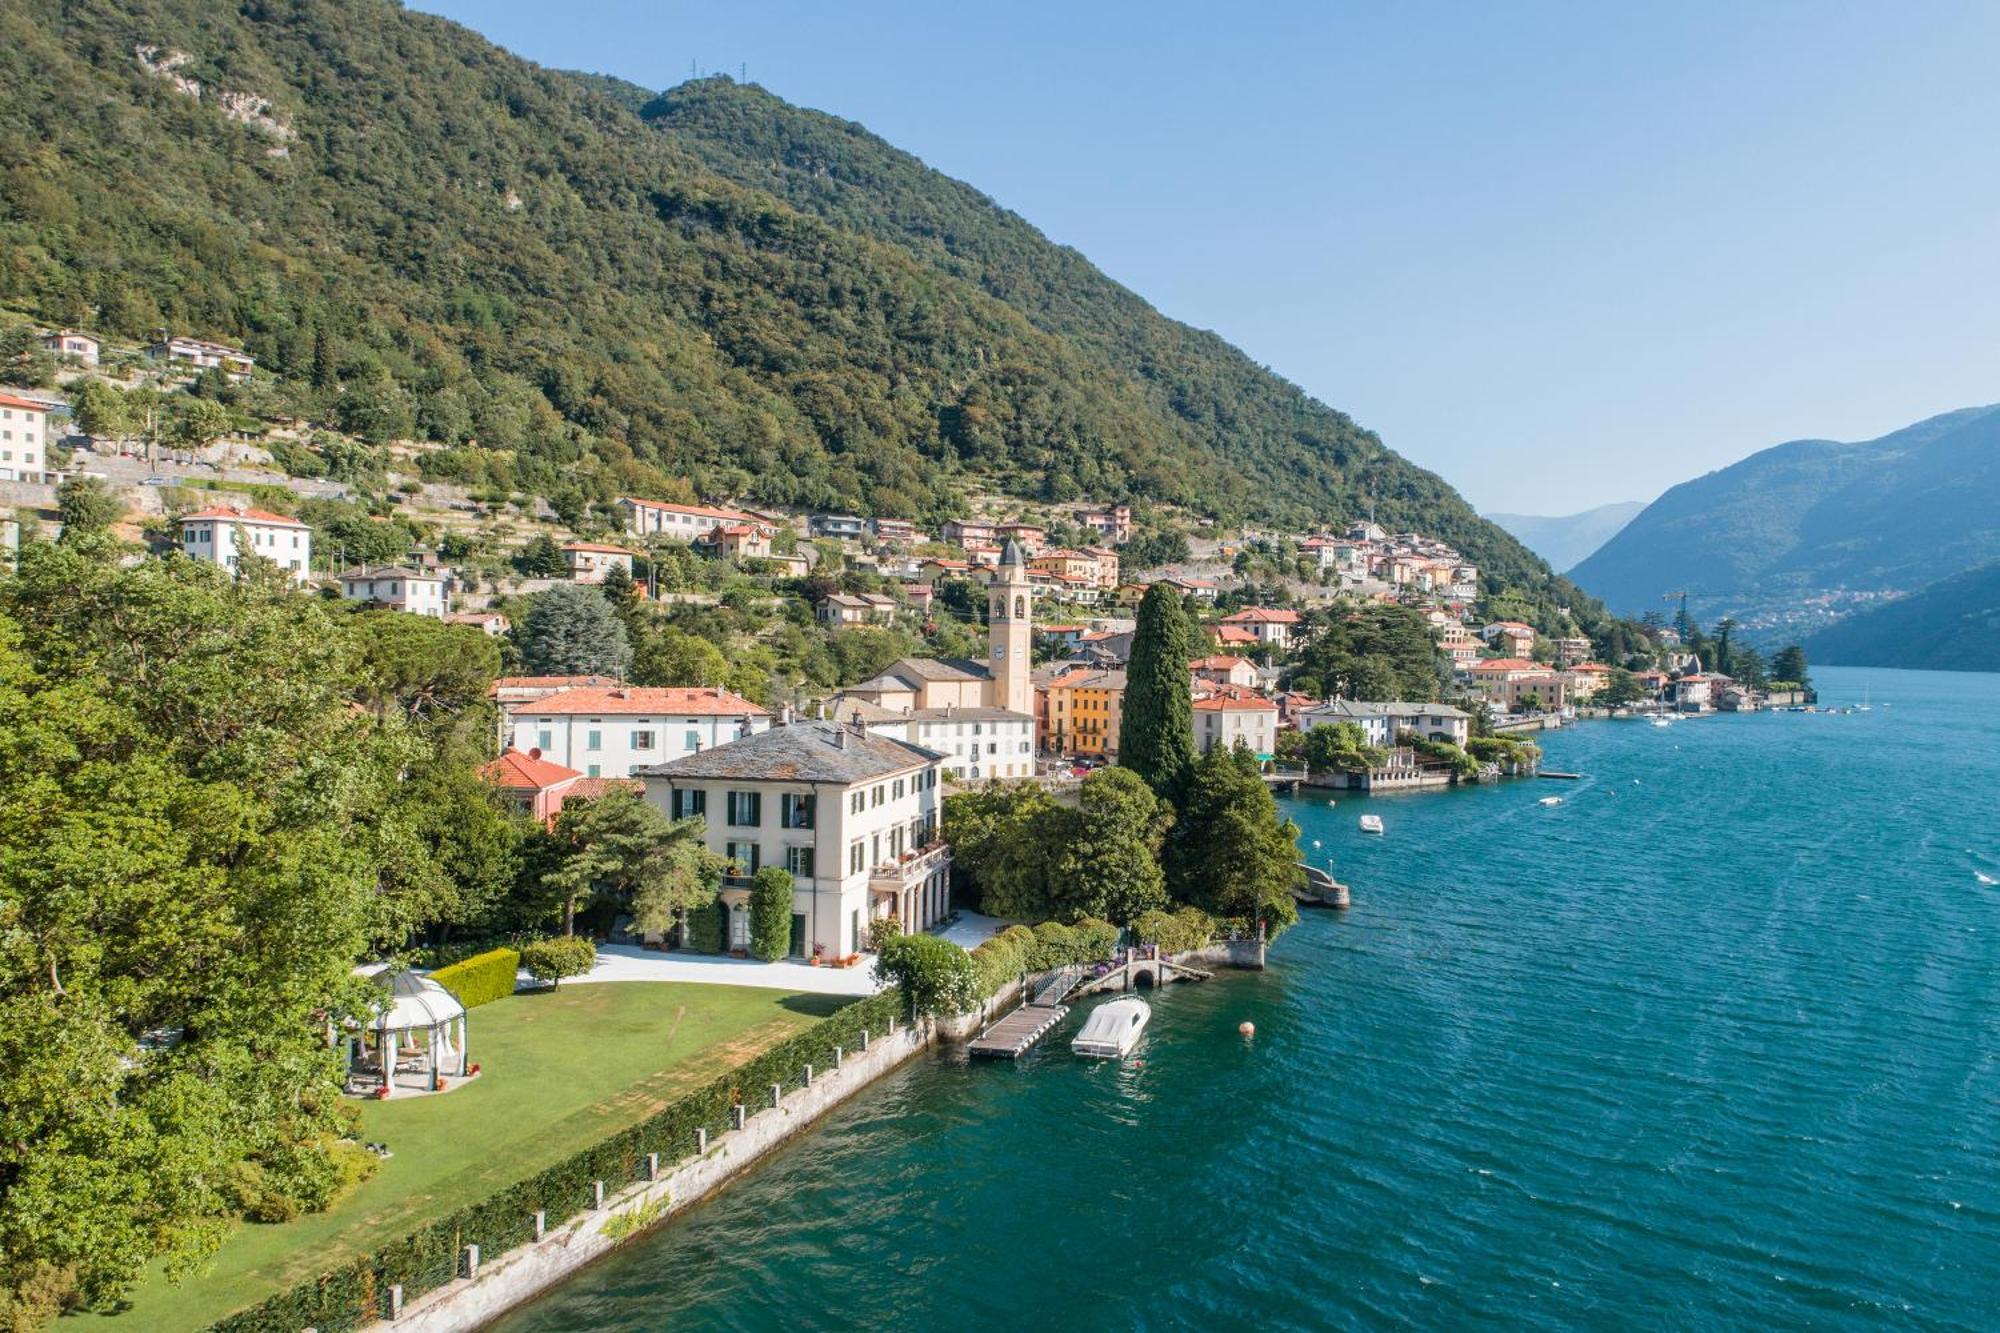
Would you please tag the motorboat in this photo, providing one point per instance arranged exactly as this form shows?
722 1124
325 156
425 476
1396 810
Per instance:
1662 720
1550 800
1371 823
1112 1030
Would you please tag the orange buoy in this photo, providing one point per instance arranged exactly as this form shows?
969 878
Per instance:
1247 1028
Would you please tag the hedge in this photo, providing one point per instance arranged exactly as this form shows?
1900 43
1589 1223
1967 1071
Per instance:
771 913
356 1294
482 978
559 956
1175 932
706 927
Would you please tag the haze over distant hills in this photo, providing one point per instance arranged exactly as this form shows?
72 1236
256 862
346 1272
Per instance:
1793 538
1565 540
1953 625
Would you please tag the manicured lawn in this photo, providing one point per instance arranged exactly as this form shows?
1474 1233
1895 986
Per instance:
560 1070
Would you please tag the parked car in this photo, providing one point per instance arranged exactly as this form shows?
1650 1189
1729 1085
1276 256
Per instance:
157 481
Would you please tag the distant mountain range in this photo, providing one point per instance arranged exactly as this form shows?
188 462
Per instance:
1795 538
1953 625
1566 540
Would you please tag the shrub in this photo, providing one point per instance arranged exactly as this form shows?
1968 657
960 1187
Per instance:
996 962
882 931
771 913
563 956
1054 943
1175 932
1096 940
707 927
936 975
482 978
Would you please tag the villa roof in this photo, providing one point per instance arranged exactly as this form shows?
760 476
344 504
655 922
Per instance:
10 400
548 682
601 548
518 771
589 789
389 572
1262 615
1506 664
705 511
626 700
802 752
1234 703
1220 662
1232 634
242 514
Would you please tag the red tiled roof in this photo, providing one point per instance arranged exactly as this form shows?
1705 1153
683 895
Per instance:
517 771
1219 662
1262 615
1232 634
623 700
1234 703
9 400
599 547
1507 664
706 511
243 514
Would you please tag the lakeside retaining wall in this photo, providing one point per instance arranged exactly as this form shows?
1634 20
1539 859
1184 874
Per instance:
499 1283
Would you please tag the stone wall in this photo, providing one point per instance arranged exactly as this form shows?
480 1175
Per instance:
504 1281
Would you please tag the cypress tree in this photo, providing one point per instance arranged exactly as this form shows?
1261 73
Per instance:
1156 735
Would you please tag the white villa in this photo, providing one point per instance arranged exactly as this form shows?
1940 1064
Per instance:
1225 719
396 588
614 731
853 817
24 438
224 534
1381 723
650 517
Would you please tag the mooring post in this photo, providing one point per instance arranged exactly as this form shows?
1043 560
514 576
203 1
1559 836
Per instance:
597 1194
471 1262
652 1166
701 1139
541 1224
808 1078
839 1054
777 1093
864 1039
736 1116
396 1301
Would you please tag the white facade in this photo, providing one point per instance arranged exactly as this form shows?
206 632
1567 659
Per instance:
978 744
612 732
854 819
650 517
1224 721
78 347
24 439
1380 723
397 589
224 536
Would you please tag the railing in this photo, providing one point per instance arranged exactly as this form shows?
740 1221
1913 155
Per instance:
912 865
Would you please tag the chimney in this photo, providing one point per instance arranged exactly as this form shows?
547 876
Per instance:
840 738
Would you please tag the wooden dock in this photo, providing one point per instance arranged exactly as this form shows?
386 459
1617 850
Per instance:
1012 1035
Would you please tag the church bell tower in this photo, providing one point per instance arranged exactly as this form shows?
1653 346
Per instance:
1010 625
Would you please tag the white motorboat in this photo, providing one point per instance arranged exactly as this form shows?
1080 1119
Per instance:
1112 1030
1371 823
1550 800
1662 720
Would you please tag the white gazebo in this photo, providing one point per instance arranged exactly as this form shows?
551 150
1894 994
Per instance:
418 1030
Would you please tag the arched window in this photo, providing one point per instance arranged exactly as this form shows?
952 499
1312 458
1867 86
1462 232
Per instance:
1020 607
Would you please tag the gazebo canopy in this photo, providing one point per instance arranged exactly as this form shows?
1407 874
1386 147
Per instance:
416 1002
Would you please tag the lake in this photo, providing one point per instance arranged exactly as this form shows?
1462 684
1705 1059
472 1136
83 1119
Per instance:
1708 1044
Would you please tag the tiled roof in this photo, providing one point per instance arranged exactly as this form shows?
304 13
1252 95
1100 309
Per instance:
1232 634
705 511
1234 703
938 668
518 771
598 547
390 572
9 400
1223 662
802 752
243 514
1506 664
626 700
589 789
1262 615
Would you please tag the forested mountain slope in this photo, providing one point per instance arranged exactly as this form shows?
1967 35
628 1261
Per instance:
596 291
1814 525
1953 625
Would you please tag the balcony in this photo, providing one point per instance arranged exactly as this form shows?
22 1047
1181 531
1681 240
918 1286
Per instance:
910 869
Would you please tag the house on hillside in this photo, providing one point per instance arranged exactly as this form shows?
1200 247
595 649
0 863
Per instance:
1382 723
234 363
1271 625
1226 719
24 438
1225 668
224 534
735 541
397 588
611 731
841 609
592 562
490 623
853 817
73 345
1111 522
647 518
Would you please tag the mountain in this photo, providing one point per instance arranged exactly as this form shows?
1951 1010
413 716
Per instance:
1566 540
1953 625
583 288
1793 537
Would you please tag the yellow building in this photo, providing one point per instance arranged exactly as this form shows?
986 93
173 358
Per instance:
1078 713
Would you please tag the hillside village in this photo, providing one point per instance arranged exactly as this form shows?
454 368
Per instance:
1000 638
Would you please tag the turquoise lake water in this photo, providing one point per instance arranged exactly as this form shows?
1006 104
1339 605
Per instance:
1709 1045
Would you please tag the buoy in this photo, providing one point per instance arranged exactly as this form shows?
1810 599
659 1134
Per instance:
1247 1028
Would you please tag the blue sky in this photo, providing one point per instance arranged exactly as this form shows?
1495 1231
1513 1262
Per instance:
1562 254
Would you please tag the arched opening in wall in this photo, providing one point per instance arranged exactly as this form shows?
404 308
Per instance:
1020 607
1143 978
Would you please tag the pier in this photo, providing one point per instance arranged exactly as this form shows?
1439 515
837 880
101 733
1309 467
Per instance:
1319 889
1015 1034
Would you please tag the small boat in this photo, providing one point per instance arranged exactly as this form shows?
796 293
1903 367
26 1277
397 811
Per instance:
1112 1030
1371 823
1550 800
1662 720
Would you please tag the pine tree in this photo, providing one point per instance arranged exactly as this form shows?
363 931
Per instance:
571 631
1156 735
